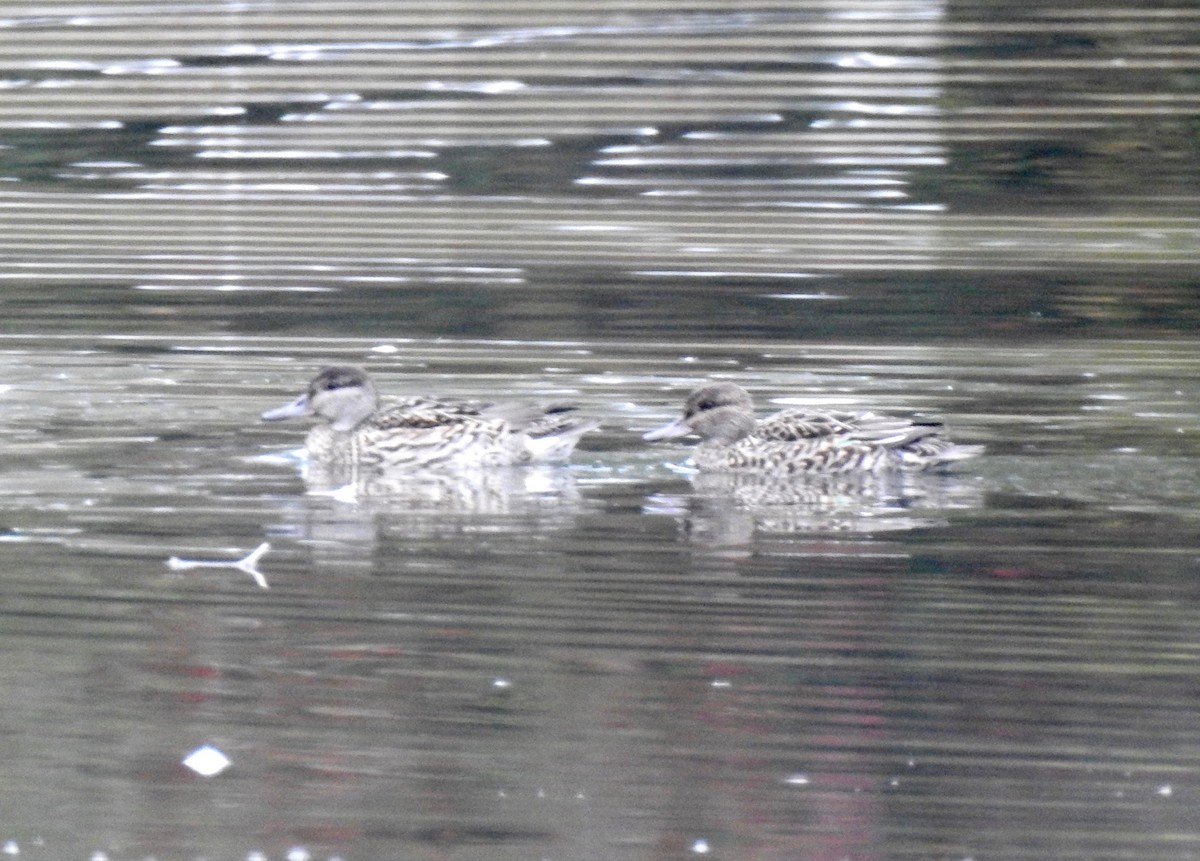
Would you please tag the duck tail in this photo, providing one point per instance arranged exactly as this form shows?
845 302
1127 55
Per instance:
962 452
923 457
553 442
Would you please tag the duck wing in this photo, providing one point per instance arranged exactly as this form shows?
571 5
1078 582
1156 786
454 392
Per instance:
549 432
426 432
801 425
424 414
560 420
420 402
534 419
430 435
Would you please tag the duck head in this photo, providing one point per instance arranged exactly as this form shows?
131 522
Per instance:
720 413
341 396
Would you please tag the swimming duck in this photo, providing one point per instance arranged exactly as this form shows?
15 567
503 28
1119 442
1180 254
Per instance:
801 441
354 429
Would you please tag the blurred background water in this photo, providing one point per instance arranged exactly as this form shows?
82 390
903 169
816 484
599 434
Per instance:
981 211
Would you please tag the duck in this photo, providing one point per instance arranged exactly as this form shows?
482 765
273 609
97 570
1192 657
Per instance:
354 428
798 441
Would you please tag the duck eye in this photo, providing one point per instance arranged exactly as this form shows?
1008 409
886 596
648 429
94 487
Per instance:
330 384
706 405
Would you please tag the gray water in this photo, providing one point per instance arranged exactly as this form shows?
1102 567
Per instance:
967 211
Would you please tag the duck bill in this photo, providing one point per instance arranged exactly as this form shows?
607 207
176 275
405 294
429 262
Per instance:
671 430
296 409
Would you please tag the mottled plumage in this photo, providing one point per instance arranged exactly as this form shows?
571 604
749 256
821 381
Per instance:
354 430
804 441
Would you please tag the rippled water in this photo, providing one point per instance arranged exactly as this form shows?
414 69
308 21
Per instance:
976 212
605 660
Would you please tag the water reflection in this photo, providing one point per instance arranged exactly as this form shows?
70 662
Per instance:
347 522
724 509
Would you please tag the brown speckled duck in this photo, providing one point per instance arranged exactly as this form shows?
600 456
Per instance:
353 429
796 441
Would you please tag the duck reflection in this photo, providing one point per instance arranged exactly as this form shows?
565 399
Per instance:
494 491
728 508
347 517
